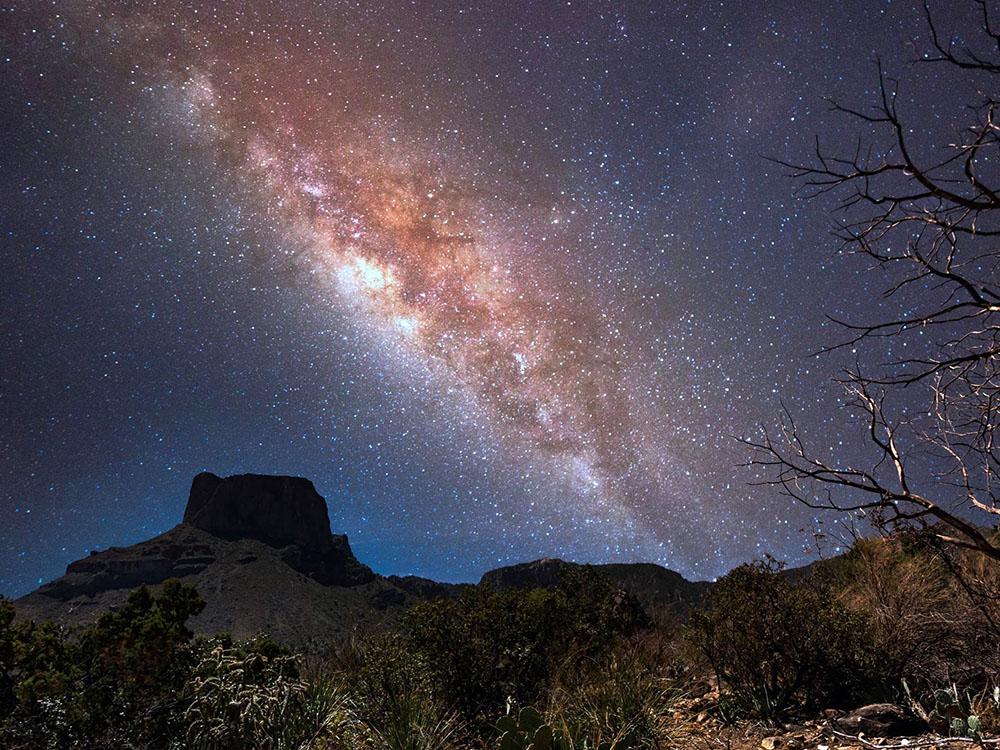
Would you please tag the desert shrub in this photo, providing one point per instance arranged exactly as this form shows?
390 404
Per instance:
932 613
901 592
488 645
972 653
44 707
7 700
45 662
415 722
49 710
323 719
913 612
381 671
773 643
115 684
134 662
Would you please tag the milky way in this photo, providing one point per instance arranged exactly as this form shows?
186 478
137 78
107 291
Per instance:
406 237
505 280
397 237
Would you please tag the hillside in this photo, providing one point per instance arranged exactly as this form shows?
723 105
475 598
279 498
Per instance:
655 588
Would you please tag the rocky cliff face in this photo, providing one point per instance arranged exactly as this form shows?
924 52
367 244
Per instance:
283 512
279 511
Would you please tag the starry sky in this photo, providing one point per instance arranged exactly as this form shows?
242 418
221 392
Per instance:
505 280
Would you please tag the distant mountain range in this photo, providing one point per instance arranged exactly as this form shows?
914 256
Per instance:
260 551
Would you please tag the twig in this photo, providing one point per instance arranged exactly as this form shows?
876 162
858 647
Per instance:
936 742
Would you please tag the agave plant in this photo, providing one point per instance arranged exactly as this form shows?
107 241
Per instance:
415 722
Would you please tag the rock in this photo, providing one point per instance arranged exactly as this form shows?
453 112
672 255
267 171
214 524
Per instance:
542 574
279 511
781 743
880 720
425 588
259 548
283 512
700 689
292 593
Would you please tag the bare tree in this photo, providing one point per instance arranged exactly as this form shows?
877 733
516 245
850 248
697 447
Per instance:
930 219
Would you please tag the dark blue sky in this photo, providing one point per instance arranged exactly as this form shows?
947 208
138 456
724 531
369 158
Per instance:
504 280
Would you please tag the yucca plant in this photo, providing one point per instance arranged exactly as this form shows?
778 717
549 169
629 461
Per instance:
413 722
323 719
618 703
392 704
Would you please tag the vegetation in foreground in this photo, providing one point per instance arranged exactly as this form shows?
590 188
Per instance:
580 666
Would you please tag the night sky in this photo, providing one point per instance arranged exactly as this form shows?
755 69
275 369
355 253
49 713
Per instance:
505 280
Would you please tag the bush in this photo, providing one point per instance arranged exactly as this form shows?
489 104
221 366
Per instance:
415 722
773 643
488 646
7 699
575 667
115 685
903 593
932 613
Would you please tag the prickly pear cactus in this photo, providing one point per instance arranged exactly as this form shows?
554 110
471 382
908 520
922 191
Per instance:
949 706
527 730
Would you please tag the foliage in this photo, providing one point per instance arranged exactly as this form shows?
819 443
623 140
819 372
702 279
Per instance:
489 645
617 702
415 722
392 701
930 612
960 713
773 643
902 592
114 685
527 730
574 661
7 698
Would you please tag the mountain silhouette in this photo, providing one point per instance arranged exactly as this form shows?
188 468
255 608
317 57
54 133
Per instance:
260 551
